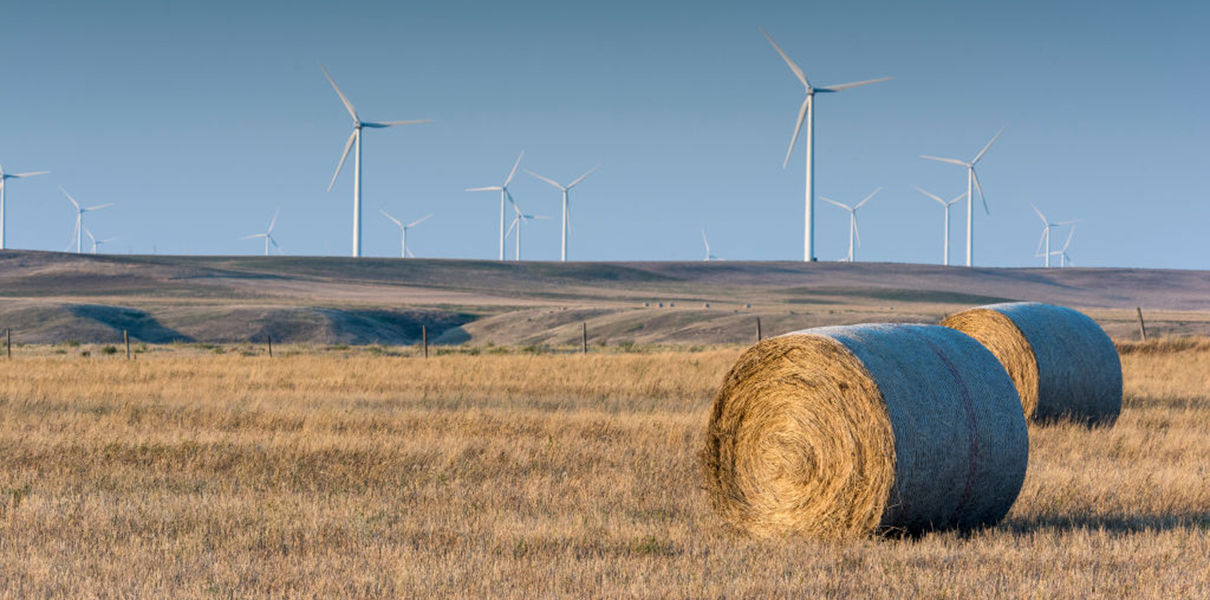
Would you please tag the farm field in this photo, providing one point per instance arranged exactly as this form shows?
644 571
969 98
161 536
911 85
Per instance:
353 472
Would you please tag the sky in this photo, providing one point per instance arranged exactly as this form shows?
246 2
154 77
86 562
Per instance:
200 119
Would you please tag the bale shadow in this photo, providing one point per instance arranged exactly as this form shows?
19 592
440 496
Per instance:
1140 523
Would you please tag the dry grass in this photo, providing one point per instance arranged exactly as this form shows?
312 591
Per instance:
190 475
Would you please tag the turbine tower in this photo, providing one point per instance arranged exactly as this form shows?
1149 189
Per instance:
1045 239
853 233
565 189
4 177
807 112
945 253
78 233
519 219
709 256
403 229
355 138
268 234
972 180
504 197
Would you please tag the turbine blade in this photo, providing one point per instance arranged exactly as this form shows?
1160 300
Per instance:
988 146
410 255
952 161
829 200
979 188
546 179
930 195
490 188
856 230
1068 242
343 99
73 200
272 222
512 226
383 124
583 177
419 221
388 215
793 67
31 174
509 179
802 114
1041 242
960 197
844 86
253 236
1072 222
867 198
1040 215
98 207
340 165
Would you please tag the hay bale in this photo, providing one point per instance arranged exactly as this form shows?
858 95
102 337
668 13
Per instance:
1064 365
839 432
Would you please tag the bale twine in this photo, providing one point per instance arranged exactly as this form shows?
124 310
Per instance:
840 432
1064 365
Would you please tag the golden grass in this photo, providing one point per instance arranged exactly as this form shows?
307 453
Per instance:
513 476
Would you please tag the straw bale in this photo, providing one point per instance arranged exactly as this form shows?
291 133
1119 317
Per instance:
841 432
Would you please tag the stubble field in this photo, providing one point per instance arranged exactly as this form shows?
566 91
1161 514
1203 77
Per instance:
347 474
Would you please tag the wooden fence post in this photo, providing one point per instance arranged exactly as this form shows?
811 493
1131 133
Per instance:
1142 327
8 336
759 335
584 338
269 338
126 340
424 339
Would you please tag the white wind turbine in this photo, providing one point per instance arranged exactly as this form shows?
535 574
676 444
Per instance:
520 219
1065 258
95 242
709 256
807 112
403 230
355 138
972 179
4 177
565 189
853 233
1046 227
946 244
78 233
504 197
268 234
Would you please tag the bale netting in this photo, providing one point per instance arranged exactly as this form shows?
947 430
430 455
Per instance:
842 432
1064 365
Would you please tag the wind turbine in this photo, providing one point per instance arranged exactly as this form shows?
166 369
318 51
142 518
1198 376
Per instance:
504 196
78 233
972 179
519 220
95 242
1046 227
709 256
565 189
946 244
1064 258
4 177
403 244
807 112
268 234
853 233
355 137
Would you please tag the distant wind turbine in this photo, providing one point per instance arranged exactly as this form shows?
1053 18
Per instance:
520 219
95 242
403 230
1046 227
566 216
709 256
355 138
504 197
78 233
972 179
945 252
853 233
1065 258
807 112
268 234
4 177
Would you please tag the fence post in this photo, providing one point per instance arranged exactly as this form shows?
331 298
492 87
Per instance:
1142 327
584 338
759 336
270 340
126 340
424 339
8 336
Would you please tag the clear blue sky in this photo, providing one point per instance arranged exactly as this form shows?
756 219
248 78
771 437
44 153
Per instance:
199 119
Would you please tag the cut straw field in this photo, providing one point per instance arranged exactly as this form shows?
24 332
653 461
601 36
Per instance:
187 474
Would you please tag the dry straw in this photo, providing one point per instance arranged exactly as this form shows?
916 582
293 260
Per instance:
1064 365
841 432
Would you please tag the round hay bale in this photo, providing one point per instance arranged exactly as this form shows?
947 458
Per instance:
840 432
1064 365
